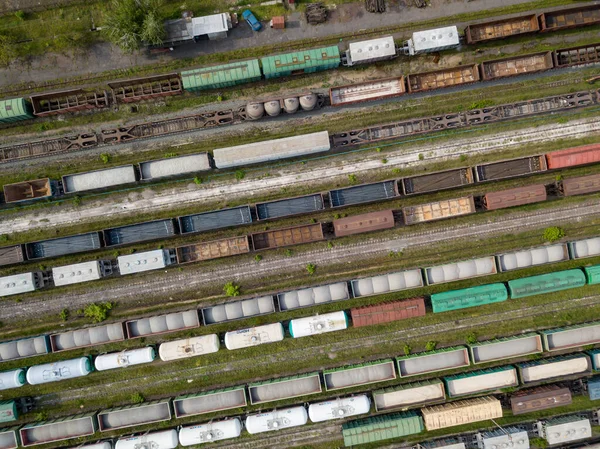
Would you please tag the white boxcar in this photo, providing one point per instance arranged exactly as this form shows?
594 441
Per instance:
254 336
318 324
565 429
61 370
79 272
339 408
432 40
139 262
189 347
124 359
18 283
166 439
12 379
371 50
509 437
209 432
276 420
272 150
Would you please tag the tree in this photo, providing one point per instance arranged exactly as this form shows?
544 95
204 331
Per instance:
430 346
231 289
137 398
553 233
98 312
129 23
311 268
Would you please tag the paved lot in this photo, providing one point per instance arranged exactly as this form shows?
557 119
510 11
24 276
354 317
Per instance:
343 19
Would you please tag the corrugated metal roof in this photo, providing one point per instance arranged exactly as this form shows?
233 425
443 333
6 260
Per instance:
221 75
79 272
381 47
461 412
17 283
290 206
140 232
468 297
140 262
431 40
363 193
217 219
378 428
546 283
63 246
307 60
14 110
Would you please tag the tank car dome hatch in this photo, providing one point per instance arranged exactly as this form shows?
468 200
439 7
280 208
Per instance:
273 108
167 439
12 379
308 102
276 420
339 408
210 432
291 105
255 110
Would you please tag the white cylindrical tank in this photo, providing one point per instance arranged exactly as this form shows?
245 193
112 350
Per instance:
12 379
166 439
291 105
124 359
318 324
64 369
255 110
276 420
273 108
308 102
189 347
254 336
102 445
339 408
209 432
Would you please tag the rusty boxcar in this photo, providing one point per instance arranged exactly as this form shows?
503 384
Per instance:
517 65
213 250
454 76
541 398
515 197
572 157
358 224
287 236
388 311
579 186
500 29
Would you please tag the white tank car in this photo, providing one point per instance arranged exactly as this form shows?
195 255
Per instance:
166 439
124 359
209 432
276 420
102 445
318 324
12 379
189 347
339 408
254 336
64 369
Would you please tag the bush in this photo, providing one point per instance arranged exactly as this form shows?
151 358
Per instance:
329 245
384 161
105 158
336 216
240 174
430 346
471 338
407 349
197 180
289 252
41 416
76 201
137 398
20 15
64 314
98 312
311 268
396 171
170 155
231 289
378 149
421 156
463 157
352 178
4 238
258 257
559 178
553 233
538 442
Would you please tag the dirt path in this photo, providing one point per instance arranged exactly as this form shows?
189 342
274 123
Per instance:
294 175
170 282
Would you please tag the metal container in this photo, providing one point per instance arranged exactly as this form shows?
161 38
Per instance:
438 210
517 65
213 250
541 398
387 312
367 91
569 18
573 157
455 76
279 238
501 29
579 186
515 197
461 412
358 224
435 182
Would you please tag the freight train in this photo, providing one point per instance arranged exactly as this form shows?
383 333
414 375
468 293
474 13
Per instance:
278 238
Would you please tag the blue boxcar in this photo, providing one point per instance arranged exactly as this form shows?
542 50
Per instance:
594 388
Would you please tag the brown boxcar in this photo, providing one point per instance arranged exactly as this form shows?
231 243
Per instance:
517 65
11 254
454 76
572 157
579 186
27 190
388 311
438 210
358 224
515 197
500 29
510 168
287 236
146 88
540 398
213 250
437 181
570 18
585 54
371 90
68 101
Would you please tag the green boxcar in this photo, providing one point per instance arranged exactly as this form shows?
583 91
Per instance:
378 428
468 297
218 76
546 283
8 411
14 110
307 61
593 274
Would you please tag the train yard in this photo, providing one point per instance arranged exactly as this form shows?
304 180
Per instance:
416 281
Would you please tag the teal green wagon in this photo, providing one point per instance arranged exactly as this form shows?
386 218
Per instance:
468 297
546 283
14 110
379 428
219 76
593 274
305 61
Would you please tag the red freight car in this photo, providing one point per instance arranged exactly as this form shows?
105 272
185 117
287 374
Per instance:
579 186
571 157
388 311
514 197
